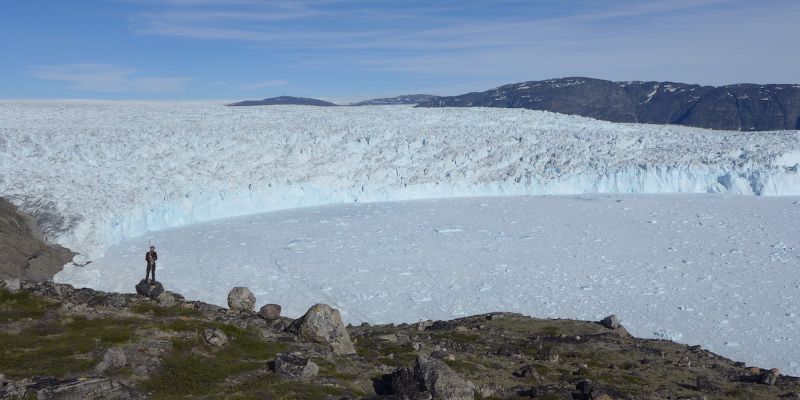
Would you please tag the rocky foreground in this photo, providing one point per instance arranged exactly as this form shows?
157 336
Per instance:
58 342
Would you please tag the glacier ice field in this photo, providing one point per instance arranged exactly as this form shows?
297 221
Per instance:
687 234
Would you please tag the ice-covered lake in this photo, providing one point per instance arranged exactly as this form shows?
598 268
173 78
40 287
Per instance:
716 270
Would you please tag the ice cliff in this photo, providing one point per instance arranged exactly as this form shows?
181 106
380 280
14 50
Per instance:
95 172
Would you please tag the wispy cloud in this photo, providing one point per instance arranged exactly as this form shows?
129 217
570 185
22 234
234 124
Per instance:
693 40
108 78
265 84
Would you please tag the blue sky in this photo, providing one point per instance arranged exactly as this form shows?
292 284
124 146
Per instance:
345 50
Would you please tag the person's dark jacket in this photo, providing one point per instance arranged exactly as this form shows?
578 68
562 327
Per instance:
150 254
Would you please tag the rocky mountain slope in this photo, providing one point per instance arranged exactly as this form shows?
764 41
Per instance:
405 99
284 100
746 107
23 253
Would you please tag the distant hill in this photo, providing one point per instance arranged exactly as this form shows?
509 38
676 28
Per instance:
406 99
284 100
734 107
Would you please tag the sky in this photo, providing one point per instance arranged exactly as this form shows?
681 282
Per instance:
348 50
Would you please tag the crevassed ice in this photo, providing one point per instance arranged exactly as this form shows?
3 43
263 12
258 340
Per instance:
95 172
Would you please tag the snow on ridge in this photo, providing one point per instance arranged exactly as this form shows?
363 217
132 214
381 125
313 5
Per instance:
95 173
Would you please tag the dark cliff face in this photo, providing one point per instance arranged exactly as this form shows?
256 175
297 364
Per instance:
284 100
733 107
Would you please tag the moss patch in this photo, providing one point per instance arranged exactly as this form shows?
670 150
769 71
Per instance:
193 368
60 347
21 305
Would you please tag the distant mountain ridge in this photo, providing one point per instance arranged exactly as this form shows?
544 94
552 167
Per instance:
747 107
284 100
404 99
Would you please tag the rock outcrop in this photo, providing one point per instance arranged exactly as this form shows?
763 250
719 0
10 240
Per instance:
215 337
113 358
294 365
100 388
26 256
323 324
746 107
431 378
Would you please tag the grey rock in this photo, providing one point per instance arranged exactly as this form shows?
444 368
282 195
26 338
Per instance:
270 312
215 337
49 289
610 322
241 299
166 299
431 379
704 384
89 388
769 377
528 372
323 324
113 358
422 325
294 365
149 289
389 337
11 284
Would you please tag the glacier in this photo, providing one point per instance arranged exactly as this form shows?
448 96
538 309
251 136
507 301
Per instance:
96 172
719 269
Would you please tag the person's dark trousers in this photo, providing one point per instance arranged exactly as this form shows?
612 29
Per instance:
151 267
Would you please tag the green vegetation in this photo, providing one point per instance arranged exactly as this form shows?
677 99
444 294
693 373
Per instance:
60 347
272 387
21 305
165 312
401 356
193 368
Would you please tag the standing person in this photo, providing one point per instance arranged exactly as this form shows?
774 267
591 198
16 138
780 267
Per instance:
151 257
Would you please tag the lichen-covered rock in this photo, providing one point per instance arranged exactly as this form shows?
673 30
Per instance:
113 358
270 312
323 324
149 288
166 299
241 299
294 365
431 379
215 337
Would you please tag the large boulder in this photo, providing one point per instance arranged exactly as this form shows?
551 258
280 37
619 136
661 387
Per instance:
149 288
430 378
241 299
270 312
323 324
294 365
